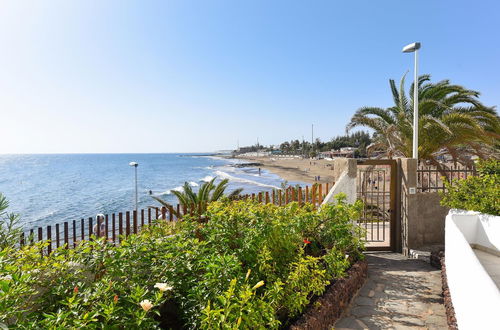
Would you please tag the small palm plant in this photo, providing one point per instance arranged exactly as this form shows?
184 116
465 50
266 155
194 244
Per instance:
196 203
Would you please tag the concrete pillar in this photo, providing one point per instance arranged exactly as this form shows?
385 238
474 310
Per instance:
345 171
344 164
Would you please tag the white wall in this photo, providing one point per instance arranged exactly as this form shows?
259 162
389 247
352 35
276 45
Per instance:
475 297
345 184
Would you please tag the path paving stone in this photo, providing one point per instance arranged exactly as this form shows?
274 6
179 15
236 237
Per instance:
399 293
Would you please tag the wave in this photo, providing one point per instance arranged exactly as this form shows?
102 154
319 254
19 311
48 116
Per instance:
169 192
208 178
193 184
248 181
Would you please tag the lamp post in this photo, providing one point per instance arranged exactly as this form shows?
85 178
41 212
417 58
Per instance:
134 164
413 48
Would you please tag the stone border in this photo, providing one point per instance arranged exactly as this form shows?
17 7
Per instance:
327 309
448 304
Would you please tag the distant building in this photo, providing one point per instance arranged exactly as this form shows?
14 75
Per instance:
243 150
347 152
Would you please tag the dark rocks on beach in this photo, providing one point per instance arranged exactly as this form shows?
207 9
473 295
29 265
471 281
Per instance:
247 165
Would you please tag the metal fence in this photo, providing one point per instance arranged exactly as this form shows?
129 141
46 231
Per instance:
431 178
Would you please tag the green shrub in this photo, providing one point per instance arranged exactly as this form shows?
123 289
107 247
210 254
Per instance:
480 193
250 266
10 231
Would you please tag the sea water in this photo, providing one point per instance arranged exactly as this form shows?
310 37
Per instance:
49 189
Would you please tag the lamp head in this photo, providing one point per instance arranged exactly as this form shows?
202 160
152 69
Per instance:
134 164
411 47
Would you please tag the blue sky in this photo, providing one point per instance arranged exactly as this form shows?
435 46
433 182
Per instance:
189 76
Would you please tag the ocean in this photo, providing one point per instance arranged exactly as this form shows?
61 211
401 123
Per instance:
50 189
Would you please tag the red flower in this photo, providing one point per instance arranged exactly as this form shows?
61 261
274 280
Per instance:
306 241
75 290
115 298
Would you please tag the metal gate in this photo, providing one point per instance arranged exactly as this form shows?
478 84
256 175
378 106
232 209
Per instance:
376 187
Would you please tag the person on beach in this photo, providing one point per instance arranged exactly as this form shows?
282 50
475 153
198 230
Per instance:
99 228
259 171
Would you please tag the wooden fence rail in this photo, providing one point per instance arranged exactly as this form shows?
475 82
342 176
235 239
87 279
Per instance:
115 226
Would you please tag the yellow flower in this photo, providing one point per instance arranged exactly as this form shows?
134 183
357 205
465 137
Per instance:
163 287
258 285
146 305
248 274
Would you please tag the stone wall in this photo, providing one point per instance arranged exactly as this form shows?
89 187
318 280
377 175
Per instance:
422 216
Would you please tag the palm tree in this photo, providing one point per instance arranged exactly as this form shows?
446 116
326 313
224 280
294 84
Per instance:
451 120
196 203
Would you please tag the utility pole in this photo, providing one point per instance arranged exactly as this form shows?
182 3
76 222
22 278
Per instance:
312 137
303 147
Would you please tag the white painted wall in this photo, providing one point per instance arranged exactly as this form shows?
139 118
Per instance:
345 184
475 297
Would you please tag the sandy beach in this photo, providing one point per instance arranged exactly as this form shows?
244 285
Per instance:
296 169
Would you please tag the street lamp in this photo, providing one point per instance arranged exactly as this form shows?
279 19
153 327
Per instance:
134 164
413 48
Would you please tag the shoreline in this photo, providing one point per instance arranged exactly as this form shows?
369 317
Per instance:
295 169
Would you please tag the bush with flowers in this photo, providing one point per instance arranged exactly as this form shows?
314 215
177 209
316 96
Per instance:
243 265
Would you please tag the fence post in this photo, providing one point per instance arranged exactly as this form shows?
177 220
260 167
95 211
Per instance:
66 239
82 228
127 223
21 241
40 238
313 192
163 213
307 195
57 235
120 225
171 213
74 233
260 197
300 196
90 228
274 196
49 239
134 215
267 197
149 216
113 226
320 198
142 218
106 226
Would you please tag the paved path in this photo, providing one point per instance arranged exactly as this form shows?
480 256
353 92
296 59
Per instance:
399 293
